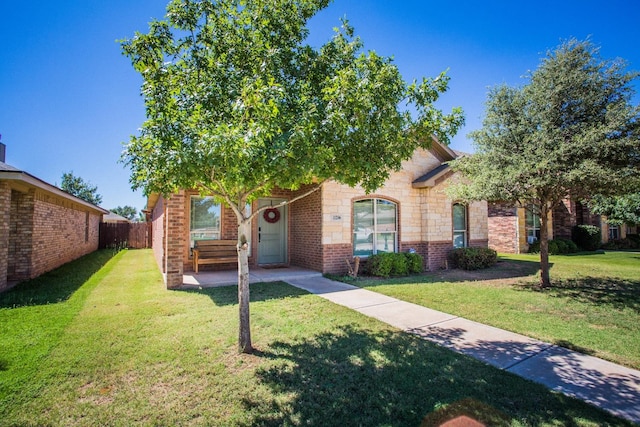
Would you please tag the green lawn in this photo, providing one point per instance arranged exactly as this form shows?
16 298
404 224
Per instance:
593 305
101 342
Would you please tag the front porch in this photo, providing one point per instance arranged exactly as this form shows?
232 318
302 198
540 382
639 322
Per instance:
207 279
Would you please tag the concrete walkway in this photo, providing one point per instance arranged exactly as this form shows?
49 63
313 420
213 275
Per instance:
604 384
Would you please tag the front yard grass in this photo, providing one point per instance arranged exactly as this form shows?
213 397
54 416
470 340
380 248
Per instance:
116 348
593 305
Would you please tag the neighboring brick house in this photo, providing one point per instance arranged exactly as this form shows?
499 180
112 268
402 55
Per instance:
41 226
332 225
513 228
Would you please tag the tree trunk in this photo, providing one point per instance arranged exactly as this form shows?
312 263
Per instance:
244 339
545 281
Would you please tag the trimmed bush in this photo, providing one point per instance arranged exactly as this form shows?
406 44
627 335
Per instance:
556 247
473 258
619 244
587 237
394 264
414 262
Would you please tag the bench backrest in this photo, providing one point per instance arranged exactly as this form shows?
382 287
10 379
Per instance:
216 248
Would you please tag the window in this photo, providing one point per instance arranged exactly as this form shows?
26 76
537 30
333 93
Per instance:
205 219
459 226
374 227
614 232
532 225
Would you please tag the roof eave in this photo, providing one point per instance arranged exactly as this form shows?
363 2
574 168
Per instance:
28 179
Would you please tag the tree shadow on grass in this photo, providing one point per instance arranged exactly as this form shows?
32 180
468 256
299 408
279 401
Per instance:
263 291
57 285
571 372
355 376
614 292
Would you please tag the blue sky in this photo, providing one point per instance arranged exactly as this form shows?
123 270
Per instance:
70 99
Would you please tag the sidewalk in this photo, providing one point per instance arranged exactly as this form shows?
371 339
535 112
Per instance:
604 384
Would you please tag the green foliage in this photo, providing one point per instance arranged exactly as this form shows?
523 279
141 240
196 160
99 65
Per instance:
632 241
415 262
473 258
394 264
128 212
237 103
618 210
556 247
76 186
587 237
571 130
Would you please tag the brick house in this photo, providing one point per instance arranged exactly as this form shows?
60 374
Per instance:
41 226
513 228
332 225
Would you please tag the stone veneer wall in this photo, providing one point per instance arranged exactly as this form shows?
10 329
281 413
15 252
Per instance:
424 216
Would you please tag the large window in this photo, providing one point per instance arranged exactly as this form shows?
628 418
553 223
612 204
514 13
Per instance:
614 232
374 227
532 225
205 219
459 226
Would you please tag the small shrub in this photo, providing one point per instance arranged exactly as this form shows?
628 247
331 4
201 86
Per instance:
571 246
556 247
619 244
394 264
414 262
379 265
399 266
473 258
587 237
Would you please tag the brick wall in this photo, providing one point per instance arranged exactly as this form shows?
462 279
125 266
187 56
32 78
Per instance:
158 243
564 219
62 231
437 253
175 240
21 236
5 209
334 258
305 244
502 220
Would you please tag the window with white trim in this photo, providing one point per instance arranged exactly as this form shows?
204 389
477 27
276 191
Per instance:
204 221
614 232
459 213
375 226
532 225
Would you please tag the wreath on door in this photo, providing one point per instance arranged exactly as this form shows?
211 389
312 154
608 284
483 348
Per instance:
271 215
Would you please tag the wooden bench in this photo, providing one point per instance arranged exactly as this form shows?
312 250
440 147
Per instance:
214 252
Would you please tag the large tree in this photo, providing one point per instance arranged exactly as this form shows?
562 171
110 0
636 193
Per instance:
571 131
624 209
80 188
126 211
238 103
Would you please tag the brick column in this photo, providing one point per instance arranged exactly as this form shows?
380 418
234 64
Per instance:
5 209
174 239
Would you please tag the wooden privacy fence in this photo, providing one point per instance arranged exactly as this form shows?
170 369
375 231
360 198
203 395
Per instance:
135 235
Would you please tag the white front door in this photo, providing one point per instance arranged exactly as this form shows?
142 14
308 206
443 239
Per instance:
272 233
